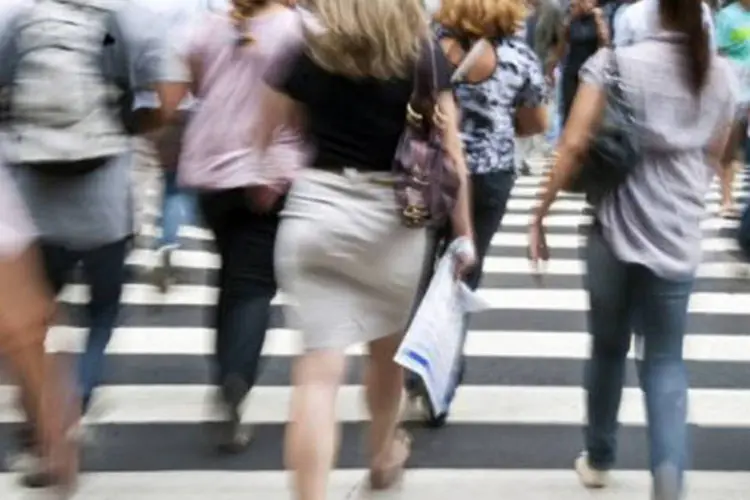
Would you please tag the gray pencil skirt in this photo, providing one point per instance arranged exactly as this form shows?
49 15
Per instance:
349 267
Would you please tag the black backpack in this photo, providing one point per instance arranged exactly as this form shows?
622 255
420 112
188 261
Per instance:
615 149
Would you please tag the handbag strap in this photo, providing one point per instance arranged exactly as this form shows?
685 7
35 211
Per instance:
614 83
425 76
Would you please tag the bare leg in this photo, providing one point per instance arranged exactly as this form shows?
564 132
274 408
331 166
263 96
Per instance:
384 383
312 435
25 311
47 396
726 173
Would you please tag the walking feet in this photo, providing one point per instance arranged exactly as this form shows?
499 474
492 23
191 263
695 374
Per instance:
588 475
164 273
386 475
233 436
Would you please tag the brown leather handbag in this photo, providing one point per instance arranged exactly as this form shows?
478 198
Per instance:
426 182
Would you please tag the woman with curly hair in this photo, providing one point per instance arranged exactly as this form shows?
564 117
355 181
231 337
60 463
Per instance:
501 97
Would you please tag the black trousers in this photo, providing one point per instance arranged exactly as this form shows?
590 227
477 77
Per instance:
490 195
246 281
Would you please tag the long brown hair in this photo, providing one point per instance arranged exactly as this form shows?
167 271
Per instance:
686 17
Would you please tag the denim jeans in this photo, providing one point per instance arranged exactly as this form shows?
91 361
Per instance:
553 112
104 270
178 207
246 281
490 195
626 299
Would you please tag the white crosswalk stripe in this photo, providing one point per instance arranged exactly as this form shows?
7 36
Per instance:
515 425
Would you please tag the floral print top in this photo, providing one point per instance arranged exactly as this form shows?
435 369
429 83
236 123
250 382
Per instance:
488 108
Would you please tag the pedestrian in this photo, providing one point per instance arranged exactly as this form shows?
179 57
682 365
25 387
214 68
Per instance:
585 31
733 40
26 307
544 25
75 179
645 244
502 97
218 161
344 255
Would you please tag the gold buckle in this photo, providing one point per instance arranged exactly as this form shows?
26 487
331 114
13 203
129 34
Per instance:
414 118
415 214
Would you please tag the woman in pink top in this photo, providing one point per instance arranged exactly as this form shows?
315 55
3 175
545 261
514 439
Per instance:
227 57
25 309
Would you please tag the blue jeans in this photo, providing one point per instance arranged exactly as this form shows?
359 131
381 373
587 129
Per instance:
178 207
626 298
104 270
247 283
555 125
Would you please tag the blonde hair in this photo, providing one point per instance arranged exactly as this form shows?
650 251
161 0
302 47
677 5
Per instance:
482 18
368 38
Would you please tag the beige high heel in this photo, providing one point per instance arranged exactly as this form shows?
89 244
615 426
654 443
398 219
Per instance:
384 478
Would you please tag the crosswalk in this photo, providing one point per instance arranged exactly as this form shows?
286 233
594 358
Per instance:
516 424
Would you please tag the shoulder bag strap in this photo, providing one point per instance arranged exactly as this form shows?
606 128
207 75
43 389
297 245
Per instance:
424 90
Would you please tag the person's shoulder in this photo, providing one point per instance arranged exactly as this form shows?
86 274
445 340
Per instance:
722 70
723 83
731 10
11 9
138 16
639 8
518 48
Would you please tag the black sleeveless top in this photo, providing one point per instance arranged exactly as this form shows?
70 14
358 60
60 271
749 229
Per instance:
583 44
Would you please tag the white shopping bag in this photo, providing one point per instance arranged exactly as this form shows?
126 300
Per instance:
433 342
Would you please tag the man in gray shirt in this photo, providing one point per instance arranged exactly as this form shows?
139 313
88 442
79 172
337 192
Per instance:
87 218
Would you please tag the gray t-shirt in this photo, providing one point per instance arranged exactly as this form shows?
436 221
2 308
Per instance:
95 209
654 218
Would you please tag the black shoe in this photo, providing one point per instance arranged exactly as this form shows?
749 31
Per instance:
39 479
525 168
233 436
24 457
420 400
164 276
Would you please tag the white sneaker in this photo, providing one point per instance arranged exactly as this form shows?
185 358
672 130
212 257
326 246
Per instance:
590 477
666 483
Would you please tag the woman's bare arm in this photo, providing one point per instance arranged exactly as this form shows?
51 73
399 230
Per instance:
585 116
461 216
602 28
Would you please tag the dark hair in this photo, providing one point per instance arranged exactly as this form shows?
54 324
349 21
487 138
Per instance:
686 17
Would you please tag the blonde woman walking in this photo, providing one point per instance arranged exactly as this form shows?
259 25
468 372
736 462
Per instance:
343 255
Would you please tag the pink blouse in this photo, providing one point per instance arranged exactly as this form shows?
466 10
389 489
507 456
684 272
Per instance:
217 151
